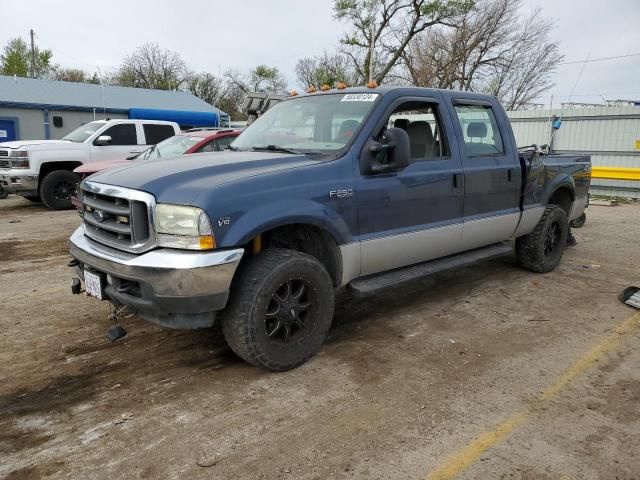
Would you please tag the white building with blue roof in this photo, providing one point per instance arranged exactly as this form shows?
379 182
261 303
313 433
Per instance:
34 109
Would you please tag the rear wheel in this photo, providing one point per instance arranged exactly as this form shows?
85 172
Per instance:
579 222
57 188
280 311
541 250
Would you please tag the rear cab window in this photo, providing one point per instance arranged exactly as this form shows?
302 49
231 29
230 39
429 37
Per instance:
480 130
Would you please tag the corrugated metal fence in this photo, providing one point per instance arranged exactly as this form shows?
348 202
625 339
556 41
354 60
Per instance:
611 135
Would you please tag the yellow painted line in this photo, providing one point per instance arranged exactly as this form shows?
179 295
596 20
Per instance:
615 173
466 456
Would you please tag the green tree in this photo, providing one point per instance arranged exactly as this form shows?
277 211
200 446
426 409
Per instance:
16 59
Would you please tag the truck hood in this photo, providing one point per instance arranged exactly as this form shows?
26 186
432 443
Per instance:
182 182
43 145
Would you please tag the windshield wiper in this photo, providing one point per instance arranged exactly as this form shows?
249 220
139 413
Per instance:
232 148
275 148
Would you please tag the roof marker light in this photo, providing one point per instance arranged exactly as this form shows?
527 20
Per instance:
372 84
325 87
293 93
341 86
311 89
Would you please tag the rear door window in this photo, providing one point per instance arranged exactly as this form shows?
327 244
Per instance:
157 133
480 130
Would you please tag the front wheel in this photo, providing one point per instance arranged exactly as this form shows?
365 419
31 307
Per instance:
57 188
541 250
280 310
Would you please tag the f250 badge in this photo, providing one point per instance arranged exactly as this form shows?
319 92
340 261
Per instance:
341 193
224 221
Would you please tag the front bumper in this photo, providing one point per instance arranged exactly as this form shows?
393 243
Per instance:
173 288
20 182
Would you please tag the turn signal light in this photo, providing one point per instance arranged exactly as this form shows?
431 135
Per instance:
207 242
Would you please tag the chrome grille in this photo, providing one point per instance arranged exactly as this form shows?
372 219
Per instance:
118 217
4 163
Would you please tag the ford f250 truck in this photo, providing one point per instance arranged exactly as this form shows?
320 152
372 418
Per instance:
42 170
359 188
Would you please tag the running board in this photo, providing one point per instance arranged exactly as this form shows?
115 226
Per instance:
373 283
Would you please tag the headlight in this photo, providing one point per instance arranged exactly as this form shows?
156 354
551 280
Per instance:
19 159
178 226
19 163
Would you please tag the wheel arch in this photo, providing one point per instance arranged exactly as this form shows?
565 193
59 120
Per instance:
306 237
563 196
48 167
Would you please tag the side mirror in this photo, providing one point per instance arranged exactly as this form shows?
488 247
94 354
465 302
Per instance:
389 155
103 140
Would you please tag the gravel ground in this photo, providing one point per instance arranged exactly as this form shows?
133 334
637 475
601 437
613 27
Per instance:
405 382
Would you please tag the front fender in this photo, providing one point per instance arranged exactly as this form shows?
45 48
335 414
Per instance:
272 215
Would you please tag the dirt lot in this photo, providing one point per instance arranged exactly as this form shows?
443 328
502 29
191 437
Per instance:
404 385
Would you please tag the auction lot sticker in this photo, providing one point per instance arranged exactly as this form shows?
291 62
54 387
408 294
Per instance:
359 97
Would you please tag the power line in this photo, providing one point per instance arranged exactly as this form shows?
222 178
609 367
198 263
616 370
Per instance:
588 60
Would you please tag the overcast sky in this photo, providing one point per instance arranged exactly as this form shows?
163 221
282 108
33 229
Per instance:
216 36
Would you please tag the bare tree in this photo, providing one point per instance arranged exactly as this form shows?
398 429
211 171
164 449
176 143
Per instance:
149 66
207 87
389 25
76 75
326 69
489 49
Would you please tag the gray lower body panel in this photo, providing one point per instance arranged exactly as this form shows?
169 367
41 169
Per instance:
374 283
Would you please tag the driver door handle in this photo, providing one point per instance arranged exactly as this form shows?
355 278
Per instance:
458 184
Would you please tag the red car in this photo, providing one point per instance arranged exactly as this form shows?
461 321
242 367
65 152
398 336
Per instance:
191 141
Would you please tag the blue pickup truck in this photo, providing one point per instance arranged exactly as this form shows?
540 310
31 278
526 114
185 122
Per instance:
359 188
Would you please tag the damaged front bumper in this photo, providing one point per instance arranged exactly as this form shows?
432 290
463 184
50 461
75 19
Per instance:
173 288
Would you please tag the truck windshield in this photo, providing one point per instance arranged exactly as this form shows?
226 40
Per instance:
83 132
319 123
171 147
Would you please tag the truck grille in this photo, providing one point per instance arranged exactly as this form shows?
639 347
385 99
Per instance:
4 153
4 163
118 217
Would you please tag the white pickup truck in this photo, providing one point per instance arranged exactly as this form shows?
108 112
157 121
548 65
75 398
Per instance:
42 170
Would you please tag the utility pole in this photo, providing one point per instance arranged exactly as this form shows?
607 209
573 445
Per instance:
33 54
371 50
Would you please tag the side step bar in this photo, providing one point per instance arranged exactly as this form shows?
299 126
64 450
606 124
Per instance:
372 283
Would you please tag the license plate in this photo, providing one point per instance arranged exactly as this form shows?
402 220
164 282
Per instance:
93 284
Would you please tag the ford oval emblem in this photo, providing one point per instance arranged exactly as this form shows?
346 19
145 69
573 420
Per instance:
99 216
